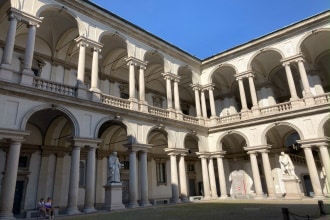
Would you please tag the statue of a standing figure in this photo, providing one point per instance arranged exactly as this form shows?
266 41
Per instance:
287 166
114 168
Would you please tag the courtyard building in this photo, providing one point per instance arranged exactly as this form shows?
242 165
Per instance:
78 83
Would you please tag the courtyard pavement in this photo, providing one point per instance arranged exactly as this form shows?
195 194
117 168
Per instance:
229 209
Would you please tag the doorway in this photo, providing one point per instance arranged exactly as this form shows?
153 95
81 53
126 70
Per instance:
18 197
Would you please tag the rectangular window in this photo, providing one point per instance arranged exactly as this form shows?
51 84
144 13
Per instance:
23 162
82 172
161 172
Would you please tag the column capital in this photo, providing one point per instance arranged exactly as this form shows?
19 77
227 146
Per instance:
171 76
245 74
314 142
176 151
83 141
196 86
138 147
209 86
218 154
84 41
205 155
24 17
287 60
259 148
135 61
15 135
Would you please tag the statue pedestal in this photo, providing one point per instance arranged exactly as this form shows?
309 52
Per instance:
113 196
291 188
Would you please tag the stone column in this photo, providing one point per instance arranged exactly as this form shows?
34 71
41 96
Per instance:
292 87
197 102
10 40
222 178
325 161
95 70
144 179
268 174
168 92
212 179
212 105
242 94
131 80
29 49
132 180
74 181
9 181
253 92
304 78
203 104
142 84
174 178
312 171
256 175
90 181
81 62
176 96
183 178
205 173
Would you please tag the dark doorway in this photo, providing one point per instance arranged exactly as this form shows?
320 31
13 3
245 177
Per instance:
308 186
192 187
18 197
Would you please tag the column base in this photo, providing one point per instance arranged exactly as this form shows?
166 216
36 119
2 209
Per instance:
74 211
134 104
206 198
81 90
176 201
309 100
6 72
96 96
9 216
145 204
223 197
259 196
143 106
89 210
27 77
133 205
297 103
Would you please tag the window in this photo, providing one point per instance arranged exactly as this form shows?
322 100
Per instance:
23 163
191 168
82 173
157 101
161 172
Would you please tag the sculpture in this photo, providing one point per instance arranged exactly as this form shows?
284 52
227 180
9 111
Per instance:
114 168
287 166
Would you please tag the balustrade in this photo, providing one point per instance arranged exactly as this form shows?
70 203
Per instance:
52 86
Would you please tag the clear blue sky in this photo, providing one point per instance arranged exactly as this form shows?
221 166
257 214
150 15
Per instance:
205 28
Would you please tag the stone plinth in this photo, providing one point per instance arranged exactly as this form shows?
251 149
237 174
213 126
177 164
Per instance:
113 196
291 188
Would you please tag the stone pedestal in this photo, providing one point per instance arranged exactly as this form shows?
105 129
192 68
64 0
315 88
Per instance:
291 188
113 196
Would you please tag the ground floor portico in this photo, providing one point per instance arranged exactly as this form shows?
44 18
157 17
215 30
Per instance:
51 153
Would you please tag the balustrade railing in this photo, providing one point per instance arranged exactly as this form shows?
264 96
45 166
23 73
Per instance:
282 107
322 99
190 119
158 111
52 86
115 101
229 118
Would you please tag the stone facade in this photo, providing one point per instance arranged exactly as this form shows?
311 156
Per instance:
77 83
